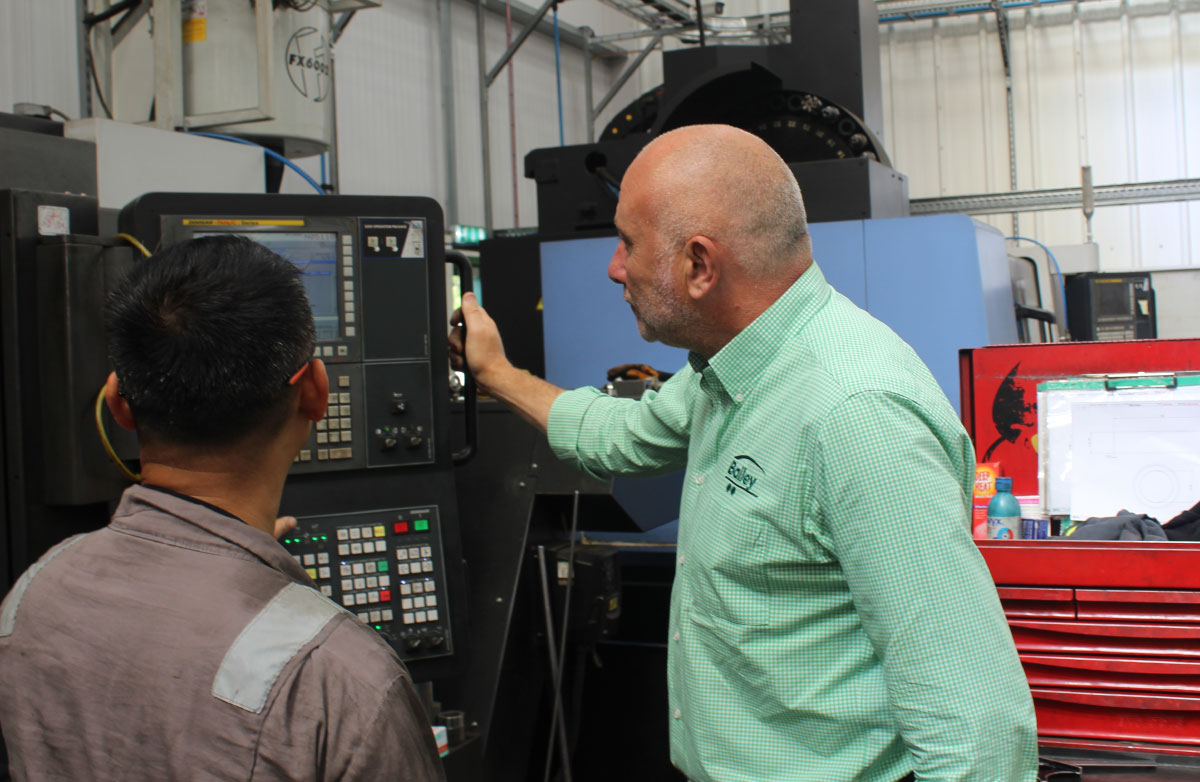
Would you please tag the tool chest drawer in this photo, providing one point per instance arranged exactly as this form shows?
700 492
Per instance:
1108 633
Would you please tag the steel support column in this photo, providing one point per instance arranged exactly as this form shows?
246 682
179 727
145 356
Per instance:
485 128
447 79
587 82
81 50
1002 32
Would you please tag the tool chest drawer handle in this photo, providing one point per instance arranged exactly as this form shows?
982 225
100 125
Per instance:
1120 700
1185 597
1117 664
1111 629
1035 593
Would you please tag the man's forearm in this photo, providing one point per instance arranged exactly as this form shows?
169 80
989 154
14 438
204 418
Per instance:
528 396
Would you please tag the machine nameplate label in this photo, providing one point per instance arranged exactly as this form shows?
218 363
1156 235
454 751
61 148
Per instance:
197 221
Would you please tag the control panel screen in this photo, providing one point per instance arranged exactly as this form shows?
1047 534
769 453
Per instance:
1114 298
316 256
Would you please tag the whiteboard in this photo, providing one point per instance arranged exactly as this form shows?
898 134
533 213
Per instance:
1104 449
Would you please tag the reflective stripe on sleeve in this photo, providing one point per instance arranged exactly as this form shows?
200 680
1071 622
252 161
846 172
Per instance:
282 628
8 614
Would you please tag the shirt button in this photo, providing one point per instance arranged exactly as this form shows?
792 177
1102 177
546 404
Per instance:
699 479
675 637
681 558
740 397
678 714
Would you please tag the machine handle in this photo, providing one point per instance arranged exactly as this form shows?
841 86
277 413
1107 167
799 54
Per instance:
1037 313
470 392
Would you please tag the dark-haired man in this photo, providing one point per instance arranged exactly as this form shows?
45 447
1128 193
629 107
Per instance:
182 641
831 618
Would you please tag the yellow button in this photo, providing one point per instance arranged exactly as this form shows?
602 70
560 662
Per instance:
380 531
312 572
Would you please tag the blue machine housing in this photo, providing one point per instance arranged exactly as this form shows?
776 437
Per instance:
940 282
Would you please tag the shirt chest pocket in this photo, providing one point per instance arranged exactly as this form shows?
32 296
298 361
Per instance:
722 556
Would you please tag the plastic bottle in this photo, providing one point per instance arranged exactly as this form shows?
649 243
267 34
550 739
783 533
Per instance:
1003 513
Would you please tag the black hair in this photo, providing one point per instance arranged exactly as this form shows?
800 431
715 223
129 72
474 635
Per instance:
204 336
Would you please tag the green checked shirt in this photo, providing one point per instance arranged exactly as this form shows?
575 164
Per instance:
831 618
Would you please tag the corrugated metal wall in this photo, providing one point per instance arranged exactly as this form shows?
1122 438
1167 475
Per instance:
37 54
1112 84
392 138
391 131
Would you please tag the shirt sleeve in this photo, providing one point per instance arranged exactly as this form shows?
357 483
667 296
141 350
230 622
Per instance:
350 713
396 742
606 436
895 503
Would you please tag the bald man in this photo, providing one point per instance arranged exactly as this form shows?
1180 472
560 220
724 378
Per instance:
831 618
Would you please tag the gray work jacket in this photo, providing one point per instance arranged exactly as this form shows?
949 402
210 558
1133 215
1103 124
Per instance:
181 643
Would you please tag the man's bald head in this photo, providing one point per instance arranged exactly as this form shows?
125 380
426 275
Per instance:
729 185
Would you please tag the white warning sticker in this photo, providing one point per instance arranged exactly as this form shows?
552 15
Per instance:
414 242
53 220
193 9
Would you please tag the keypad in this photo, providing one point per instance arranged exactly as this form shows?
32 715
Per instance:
385 569
336 429
415 570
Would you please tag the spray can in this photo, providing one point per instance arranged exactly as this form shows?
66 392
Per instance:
1003 513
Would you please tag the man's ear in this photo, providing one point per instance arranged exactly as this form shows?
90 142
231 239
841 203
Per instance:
116 403
314 390
703 266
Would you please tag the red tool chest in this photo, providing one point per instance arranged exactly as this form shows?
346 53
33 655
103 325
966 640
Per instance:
1109 635
1108 631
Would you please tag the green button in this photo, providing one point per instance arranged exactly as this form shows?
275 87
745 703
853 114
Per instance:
421 525
382 566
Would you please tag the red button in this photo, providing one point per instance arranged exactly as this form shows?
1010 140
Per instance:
401 527
385 595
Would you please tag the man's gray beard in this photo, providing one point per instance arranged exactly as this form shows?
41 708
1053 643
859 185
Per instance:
674 322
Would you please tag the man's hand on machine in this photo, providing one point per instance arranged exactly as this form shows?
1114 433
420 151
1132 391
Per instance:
284 525
480 348
483 350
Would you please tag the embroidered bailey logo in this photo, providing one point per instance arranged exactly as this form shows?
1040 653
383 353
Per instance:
743 474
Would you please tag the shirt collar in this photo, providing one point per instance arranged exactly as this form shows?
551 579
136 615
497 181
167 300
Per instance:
738 365
200 522
196 500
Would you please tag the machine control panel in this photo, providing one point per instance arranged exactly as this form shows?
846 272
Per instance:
367 280
387 568
382 544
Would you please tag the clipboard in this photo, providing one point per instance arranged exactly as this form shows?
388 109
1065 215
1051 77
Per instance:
1113 442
